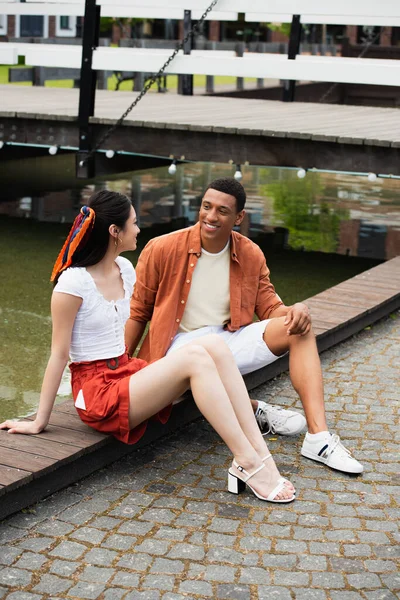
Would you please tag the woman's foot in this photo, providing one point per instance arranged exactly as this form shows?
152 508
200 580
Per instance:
265 480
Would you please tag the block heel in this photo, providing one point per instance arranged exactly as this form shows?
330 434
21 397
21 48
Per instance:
235 485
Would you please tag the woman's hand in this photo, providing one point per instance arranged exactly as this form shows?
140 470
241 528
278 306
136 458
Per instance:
25 427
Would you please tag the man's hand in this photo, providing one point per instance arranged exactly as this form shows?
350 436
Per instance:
298 319
26 427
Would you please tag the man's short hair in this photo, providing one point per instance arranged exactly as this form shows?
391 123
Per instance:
229 185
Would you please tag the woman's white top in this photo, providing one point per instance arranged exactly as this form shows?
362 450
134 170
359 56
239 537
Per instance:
99 327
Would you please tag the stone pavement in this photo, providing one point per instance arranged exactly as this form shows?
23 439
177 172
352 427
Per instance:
160 523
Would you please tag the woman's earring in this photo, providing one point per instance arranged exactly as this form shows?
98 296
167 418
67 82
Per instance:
116 242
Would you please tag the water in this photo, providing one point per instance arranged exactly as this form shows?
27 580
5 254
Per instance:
315 233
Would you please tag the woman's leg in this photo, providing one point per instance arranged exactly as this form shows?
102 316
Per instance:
156 386
236 389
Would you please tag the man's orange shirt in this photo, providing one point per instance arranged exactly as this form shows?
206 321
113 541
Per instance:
164 275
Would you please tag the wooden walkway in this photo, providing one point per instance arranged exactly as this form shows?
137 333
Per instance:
215 129
36 466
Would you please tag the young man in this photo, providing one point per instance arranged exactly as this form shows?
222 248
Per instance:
210 279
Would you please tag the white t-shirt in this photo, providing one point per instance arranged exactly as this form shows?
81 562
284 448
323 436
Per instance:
99 327
208 302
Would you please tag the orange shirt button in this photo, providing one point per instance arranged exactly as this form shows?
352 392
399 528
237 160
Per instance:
182 302
187 280
172 339
192 264
177 320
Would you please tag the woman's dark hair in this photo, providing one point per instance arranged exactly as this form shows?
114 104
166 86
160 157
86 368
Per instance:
110 208
229 185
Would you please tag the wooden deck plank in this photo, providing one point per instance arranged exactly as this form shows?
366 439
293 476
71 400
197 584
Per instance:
38 445
9 476
32 467
24 460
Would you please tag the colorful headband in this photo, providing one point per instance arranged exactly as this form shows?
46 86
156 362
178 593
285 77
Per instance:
77 237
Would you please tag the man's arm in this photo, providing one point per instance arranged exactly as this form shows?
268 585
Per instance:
144 296
270 306
133 334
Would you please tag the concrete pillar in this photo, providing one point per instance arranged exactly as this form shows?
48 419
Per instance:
214 31
351 33
386 36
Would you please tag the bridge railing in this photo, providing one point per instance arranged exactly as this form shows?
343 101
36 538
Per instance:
210 62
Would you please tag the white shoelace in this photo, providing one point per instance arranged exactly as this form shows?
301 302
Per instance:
273 421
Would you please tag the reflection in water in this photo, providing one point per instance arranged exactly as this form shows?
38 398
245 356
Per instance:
322 213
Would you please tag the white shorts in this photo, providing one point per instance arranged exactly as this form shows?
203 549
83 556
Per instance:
246 344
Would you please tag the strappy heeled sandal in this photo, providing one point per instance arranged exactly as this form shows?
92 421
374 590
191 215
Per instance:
238 484
281 478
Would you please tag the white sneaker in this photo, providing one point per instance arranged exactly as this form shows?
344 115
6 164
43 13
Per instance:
275 419
332 453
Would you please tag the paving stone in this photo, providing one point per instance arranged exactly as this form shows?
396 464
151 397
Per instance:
147 595
36 544
327 580
165 565
151 546
224 525
63 567
86 590
125 579
219 539
290 546
279 560
15 577
291 578
200 588
96 574
159 582
135 528
380 595
217 573
23 596
8 554
135 562
387 551
107 523
69 550
254 575
168 502
328 548
57 585
380 566
357 550
225 555
169 533
3 592
309 594
54 527
186 551
364 581
30 561
114 593
89 534
374 537
283 531
345 595
233 591
233 511
392 581
255 543
273 593
119 542
312 563
100 556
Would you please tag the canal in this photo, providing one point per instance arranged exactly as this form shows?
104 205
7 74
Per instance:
315 232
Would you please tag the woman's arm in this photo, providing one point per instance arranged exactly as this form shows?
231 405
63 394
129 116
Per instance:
64 308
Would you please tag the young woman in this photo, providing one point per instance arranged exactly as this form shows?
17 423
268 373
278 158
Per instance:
116 394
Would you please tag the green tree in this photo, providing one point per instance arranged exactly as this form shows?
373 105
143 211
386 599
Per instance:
299 206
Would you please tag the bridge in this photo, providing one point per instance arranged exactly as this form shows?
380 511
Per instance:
357 139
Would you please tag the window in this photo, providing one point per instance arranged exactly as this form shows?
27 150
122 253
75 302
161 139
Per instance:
3 25
64 23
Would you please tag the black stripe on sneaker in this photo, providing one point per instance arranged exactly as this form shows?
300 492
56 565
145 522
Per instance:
323 449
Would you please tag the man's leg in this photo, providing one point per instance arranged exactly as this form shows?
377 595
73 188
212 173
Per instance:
306 376
304 368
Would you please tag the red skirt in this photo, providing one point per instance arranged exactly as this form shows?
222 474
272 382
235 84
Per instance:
101 389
